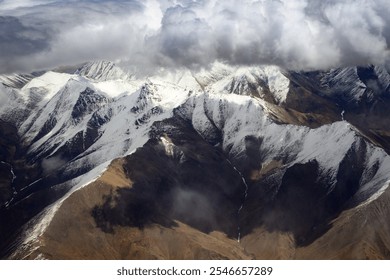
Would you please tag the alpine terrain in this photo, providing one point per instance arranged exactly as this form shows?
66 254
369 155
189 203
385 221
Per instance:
224 163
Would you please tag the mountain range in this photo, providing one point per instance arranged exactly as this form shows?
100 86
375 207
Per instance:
224 163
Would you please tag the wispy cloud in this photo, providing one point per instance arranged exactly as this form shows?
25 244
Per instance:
295 34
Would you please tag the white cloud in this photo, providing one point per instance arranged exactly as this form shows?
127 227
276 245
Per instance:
295 34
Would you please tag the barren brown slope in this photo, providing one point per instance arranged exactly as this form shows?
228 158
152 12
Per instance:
73 233
360 233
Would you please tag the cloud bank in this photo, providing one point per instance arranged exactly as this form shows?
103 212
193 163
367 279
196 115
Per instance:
294 34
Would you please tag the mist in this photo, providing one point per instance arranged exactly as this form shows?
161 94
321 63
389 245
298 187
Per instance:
153 35
52 164
194 208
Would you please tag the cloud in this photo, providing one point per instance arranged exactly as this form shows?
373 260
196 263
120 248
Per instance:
53 33
18 39
294 34
194 208
52 164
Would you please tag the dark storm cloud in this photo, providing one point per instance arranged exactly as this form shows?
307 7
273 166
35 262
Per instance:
17 39
295 34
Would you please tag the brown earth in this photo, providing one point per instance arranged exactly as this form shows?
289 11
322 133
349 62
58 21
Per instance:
360 233
357 234
73 233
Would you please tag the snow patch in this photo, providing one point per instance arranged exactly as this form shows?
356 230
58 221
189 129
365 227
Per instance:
168 145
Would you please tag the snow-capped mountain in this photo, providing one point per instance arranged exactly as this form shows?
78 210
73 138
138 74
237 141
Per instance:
103 71
229 150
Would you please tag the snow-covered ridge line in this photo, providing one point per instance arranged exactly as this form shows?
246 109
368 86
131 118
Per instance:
259 80
238 117
103 71
37 226
15 80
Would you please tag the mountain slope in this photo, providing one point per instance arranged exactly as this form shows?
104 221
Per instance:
15 80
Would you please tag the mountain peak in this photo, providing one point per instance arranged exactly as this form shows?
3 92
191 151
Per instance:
103 71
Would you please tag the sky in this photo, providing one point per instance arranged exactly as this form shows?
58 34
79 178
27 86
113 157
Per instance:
151 34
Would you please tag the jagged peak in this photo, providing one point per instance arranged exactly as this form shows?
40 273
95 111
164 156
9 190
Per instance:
15 80
351 84
248 80
103 71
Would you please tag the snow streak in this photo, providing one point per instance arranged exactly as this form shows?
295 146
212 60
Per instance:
243 201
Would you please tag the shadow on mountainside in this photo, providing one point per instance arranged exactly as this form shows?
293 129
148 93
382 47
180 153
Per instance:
178 176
